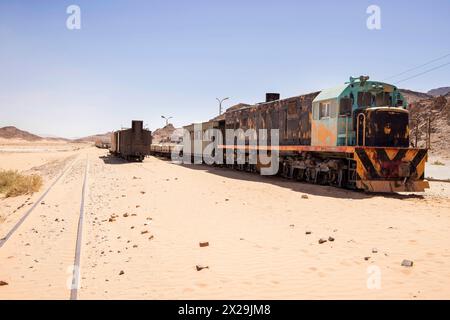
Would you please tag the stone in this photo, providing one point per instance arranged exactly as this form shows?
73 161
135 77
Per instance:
203 244
125 215
121 272
308 232
407 263
321 240
144 232
330 239
3 283
200 268
366 258
374 250
304 196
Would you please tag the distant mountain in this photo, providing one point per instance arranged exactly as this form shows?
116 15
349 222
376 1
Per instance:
11 132
232 108
414 96
439 91
103 137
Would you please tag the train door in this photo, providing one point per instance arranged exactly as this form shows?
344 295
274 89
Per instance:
360 128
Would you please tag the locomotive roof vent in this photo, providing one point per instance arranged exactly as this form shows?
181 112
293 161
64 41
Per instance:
272 97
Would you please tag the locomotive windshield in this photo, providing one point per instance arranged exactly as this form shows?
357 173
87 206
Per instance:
387 127
375 99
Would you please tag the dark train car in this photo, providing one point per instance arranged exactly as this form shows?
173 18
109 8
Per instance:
102 144
133 143
292 116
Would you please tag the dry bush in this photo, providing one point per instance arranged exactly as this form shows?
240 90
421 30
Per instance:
13 183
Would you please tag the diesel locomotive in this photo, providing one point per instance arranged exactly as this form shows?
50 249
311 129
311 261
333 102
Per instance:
355 135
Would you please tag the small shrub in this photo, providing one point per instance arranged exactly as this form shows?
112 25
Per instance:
438 163
13 183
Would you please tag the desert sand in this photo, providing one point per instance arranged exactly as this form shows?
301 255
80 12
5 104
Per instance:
144 221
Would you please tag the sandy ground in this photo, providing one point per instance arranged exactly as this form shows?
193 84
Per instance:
438 168
256 228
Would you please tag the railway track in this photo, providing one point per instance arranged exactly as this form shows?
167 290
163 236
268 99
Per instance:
36 203
75 274
77 258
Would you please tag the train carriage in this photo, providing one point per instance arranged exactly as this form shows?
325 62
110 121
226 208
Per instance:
133 143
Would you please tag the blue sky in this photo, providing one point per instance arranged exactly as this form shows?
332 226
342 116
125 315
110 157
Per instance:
141 59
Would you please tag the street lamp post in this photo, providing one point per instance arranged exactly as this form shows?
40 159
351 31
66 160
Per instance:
167 119
220 104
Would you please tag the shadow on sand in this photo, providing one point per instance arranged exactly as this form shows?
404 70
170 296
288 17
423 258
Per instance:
297 186
111 159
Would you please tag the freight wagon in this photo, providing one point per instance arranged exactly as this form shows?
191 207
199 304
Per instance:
102 144
133 143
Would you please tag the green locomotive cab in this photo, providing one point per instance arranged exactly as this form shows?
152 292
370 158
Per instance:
360 113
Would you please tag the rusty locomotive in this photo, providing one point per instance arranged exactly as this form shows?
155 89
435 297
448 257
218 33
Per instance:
355 135
133 143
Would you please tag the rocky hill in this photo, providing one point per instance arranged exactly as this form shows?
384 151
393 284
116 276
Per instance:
414 96
437 111
439 91
11 132
162 135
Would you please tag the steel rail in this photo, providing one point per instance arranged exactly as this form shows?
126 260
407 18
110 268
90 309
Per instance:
29 211
77 259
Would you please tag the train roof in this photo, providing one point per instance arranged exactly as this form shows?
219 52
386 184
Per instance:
331 93
338 91
243 106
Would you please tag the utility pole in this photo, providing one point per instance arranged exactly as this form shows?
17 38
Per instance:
429 134
220 104
416 132
167 119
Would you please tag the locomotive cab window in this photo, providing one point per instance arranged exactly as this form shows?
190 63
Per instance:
345 107
324 110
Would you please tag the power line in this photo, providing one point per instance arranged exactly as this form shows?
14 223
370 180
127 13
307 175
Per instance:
426 71
422 65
